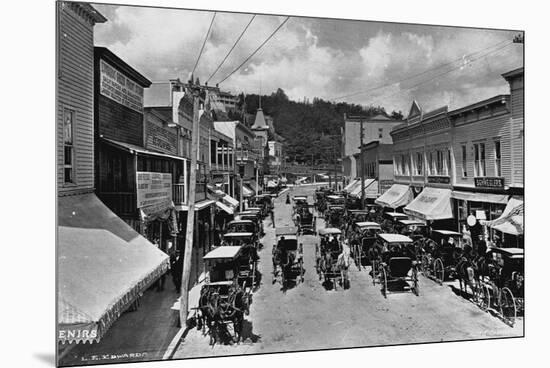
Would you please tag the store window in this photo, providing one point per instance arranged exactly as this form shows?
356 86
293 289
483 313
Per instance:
498 168
464 162
213 152
418 163
68 147
220 153
439 162
431 163
479 159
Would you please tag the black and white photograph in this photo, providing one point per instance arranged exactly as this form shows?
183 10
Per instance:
243 183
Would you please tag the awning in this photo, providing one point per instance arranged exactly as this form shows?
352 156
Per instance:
103 265
198 205
247 190
224 207
132 148
480 197
398 195
351 184
230 200
511 220
431 204
371 189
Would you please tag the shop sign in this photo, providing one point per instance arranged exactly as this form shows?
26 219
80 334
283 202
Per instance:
119 88
489 182
160 139
153 188
84 332
426 199
218 179
439 179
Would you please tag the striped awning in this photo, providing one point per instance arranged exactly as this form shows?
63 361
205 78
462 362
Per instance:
103 265
398 195
511 220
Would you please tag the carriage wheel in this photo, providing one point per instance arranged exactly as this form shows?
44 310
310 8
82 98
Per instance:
384 281
439 271
484 296
425 266
416 290
507 306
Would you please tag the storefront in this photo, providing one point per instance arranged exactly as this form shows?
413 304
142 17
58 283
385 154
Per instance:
509 225
397 196
351 185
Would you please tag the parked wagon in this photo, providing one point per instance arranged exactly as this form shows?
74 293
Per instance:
224 297
249 255
332 260
441 255
501 286
254 216
391 219
334 215
363 236
244 226
288 262
396 265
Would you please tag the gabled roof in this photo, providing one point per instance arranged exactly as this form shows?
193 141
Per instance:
107 55
415 111
513 73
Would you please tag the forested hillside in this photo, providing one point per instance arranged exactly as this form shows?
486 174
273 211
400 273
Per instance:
312 129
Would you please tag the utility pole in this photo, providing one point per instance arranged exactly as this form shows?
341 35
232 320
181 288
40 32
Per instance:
362 165
184 300
241 177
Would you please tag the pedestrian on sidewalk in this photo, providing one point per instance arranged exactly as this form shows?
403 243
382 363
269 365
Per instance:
287 199
272 216
177 269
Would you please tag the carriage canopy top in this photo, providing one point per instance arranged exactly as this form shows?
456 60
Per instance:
335 197
287 230
397 215
234 235
395 238
368 224
223 252
412 222
510 252
330 231
240 222
446 232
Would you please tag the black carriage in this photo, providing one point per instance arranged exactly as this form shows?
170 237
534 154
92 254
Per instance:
396 265
263 201
362 238
390 221
501 287
244 226
441 254
254 216
334 215
305 221
225 297
248 255
328 254
288 262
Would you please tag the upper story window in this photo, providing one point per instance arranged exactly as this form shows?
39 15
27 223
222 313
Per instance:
479 159
68 147
380 132
419 163
439 163
498 167
464 161
431 164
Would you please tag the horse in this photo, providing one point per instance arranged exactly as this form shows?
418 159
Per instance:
342 264
468 275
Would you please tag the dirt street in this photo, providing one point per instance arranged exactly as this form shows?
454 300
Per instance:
310 317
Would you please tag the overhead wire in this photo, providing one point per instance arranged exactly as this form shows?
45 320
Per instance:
203 44
447 71
232 47
255 51
419 74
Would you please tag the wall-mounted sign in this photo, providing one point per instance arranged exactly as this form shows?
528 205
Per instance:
439 179
489 182
384 185
119 88
160 139
153 188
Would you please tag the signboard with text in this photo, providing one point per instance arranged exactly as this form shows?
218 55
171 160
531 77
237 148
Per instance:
439 179
119 88
384 185
153 189
489 182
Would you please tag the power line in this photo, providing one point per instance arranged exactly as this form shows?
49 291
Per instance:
235 44
448 71
203 44
419 74
255 51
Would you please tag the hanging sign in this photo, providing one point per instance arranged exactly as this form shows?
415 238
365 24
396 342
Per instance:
471 220
153 188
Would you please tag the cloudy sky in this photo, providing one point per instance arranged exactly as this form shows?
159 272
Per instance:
376 63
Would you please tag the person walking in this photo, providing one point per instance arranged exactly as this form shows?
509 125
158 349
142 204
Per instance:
287 199
272 216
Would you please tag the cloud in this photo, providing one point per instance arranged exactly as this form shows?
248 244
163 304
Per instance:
315 57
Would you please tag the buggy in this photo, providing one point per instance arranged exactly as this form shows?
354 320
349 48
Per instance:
390 221
332 260
396 264
224 298
288 262
363 236
255 217
440 255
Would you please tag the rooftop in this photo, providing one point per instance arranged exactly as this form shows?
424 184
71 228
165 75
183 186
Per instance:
259 122
107 55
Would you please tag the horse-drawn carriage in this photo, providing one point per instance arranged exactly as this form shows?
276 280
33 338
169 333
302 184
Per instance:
390 221
332 258
395 263
244 226
440 255
501 282
334 215
224 298
263 201
254 216
248 255
362 238
288 262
